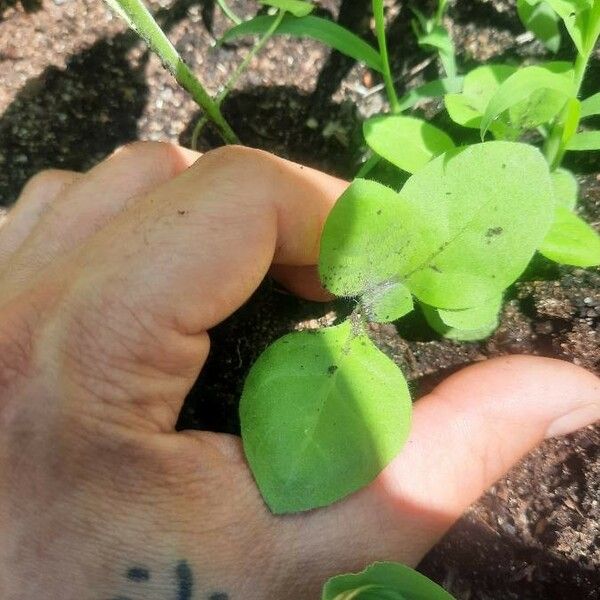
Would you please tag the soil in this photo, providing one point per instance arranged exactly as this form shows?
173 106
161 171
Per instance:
76 85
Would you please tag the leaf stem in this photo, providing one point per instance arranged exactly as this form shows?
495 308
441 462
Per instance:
555 146
383 51
139 18
235 76
228 12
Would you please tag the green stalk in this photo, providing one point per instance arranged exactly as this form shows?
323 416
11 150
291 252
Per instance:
139 18
554 148
235 76
228 12
441 9
381 40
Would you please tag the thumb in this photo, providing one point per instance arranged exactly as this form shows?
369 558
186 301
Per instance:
466 435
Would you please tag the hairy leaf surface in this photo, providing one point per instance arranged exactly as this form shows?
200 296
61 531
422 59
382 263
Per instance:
322 413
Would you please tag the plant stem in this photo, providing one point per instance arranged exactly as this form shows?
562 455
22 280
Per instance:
139 18
381 40
228 11
235 76
554 148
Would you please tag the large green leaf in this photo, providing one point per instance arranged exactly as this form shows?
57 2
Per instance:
590 106
571 241
462 229
298 8
486 208
406 142
384 581
322 413
539 17
323 30
584 141
537 94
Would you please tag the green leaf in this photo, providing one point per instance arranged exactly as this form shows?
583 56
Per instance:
384 581
529 86
473 318
469 333
387 302
571 241
480 85
440 39
574 13
433 89
323 30
590 106
406 142
462 229
322 413
485 209
369 238
566 188
586 140
298 8
542 21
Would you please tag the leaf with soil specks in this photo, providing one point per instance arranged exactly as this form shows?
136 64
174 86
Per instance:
322 413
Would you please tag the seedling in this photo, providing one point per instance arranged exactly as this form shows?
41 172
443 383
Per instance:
322 413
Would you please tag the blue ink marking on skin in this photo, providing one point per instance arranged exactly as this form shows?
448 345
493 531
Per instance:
138 574
185 581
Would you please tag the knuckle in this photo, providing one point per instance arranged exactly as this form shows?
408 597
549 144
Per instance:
166 157
46 183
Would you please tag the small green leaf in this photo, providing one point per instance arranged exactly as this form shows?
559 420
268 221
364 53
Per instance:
571 241
433 89
586 140
571 120
387 302
370 236
406 142
384 581
298 8
440 39
590 106
322 413
529 85
480 84
323 30
574 14
470 333
566 188
473 318
542 21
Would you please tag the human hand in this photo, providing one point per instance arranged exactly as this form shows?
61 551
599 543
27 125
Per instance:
109 282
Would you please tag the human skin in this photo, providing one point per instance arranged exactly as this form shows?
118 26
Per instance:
109 282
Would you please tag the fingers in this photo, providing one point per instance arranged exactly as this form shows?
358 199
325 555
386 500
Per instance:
205 240
90 202
181 260
466 435
39 193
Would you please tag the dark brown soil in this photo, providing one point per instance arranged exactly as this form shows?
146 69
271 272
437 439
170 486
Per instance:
75 85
